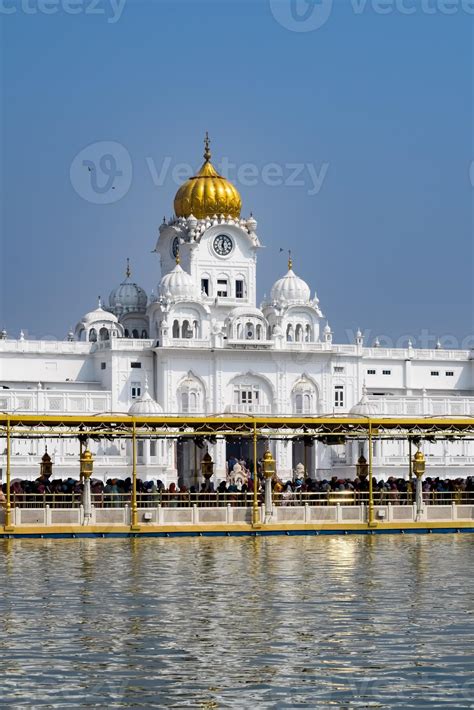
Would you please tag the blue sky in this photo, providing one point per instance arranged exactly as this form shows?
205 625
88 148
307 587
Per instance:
375 110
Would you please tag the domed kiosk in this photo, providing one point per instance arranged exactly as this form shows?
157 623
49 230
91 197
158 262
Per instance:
207 193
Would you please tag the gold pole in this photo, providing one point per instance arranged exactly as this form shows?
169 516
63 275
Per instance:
8 508
255 512
81 449
135 525
372 523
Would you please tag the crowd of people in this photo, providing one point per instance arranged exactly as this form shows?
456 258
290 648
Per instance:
117 491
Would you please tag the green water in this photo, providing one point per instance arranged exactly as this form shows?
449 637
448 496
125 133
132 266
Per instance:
317 622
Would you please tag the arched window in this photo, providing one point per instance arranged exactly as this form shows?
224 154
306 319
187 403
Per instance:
239 331
308 334
259 332
93 335
126 333
289 333
250 394
298 404
135 333
191 395
304 397
299 333
240 287
103 334
144 334
175 329
186 330
206 284
222 286
249 331
196 329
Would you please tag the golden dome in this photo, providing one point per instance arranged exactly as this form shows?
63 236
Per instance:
207 193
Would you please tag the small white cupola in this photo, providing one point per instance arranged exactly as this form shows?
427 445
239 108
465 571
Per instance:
290 289
145 405
364 408
178 285
98 324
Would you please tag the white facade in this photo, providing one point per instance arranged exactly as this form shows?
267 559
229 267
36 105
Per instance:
203 345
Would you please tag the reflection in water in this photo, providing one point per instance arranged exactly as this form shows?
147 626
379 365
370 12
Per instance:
336 622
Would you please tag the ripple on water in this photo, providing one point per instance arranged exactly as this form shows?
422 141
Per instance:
316 622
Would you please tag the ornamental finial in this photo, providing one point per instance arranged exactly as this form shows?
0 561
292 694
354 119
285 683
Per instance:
207 150
290 260
177 258
128 273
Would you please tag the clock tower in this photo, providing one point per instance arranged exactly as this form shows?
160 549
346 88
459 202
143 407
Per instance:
214 244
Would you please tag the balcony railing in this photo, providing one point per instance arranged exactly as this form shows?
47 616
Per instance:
55 401
424 406
254 408
219 500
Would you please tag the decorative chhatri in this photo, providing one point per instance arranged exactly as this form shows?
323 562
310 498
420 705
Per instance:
207 193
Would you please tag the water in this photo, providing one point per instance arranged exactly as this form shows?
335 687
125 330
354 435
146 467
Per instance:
333 622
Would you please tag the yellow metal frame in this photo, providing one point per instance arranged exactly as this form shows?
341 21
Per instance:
120 425
125 426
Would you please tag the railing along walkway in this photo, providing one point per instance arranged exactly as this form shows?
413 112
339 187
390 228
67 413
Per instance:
209 500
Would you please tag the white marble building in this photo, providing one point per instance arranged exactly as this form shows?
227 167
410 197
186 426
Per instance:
203 345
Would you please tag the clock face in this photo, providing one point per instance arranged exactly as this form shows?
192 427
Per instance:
175 247
223 245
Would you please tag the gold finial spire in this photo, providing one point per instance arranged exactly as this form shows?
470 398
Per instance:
128 273
177 258
207 150
290 260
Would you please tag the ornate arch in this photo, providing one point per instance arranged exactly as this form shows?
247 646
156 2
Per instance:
191 394
305 395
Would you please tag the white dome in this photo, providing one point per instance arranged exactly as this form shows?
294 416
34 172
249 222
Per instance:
364 408
99 315
130 297
178 284
290 289
145 405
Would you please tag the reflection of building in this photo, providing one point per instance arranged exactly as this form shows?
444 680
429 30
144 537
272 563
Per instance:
203 345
